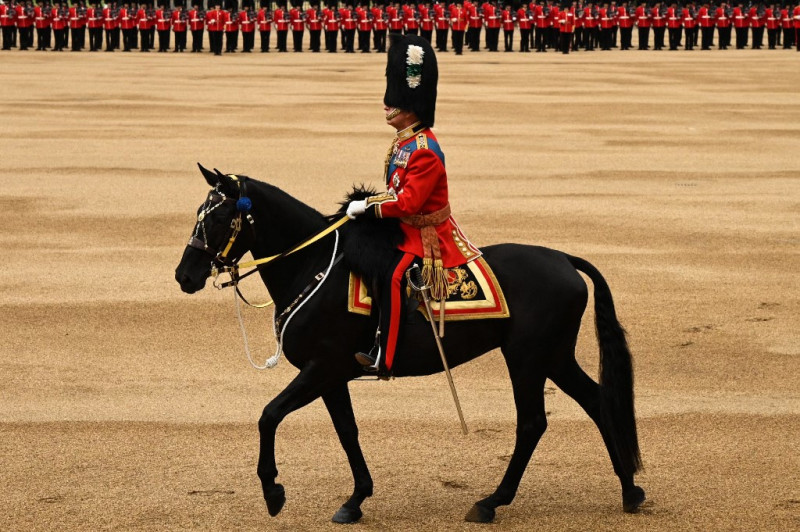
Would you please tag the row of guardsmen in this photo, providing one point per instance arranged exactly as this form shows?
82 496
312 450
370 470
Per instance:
542 25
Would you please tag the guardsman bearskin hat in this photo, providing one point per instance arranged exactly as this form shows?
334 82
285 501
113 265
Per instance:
412 75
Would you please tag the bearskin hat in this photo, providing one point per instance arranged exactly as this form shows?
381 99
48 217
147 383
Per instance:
412 75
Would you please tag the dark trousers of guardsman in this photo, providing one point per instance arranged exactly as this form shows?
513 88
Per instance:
180 41
330 41
76 40
265 41
110 40
658 38
314 40
144 37
566 41
458 42
772 38
441 39
689 39
525 40
163 41
644 38
231 41
380 40
674 38
540 40
215 40
758 38
248 41
42 38
626 38
282 35
197 40
391 301
297 40
741 38
363 41
788 34
508 40
708 36
426 34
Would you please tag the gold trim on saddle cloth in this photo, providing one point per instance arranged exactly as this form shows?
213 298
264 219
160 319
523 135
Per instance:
492 306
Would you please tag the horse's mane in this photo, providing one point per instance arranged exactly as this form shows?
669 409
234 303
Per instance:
369 245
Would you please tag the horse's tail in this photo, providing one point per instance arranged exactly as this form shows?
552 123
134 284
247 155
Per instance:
616 372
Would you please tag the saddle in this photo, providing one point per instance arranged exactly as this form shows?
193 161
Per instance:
473 293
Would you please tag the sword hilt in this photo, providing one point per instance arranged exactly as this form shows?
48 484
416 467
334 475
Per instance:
415 277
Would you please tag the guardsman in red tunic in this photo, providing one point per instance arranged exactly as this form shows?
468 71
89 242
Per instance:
281 26
417 193
756 17
197 25
127 23
674 25
643 22
625 21
330 21
77 26
8 15
722 19
426 22
143 23
687 16
247 23
796 18
705 18
298 26
41 21
491 17
772 19
566 26
741 25
94 21
507 20
111 25
231 28
605 27
458 24
163 26
658 17
441 21
410 20
180 24
525 27
264 22
25 21
348 27
553 31
786 26
314 24
215 22
364 24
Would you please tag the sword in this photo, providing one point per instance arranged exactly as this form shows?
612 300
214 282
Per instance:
414 276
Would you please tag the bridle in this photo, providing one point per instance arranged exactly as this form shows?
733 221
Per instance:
217 198
221 263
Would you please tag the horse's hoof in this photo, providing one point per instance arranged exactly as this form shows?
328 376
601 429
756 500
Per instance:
347 515
275 499
480 514
632 500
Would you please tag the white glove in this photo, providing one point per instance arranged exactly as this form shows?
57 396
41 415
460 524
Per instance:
355 208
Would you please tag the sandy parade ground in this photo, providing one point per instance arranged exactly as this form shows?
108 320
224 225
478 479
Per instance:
127 404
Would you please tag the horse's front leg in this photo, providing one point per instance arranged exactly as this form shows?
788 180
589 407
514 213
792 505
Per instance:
310 383
341 410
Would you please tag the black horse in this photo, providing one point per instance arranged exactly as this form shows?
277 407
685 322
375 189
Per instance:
546 298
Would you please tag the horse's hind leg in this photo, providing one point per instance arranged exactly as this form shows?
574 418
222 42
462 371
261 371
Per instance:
577 384
528 385
340 407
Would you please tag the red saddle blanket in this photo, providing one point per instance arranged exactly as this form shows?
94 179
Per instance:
473 294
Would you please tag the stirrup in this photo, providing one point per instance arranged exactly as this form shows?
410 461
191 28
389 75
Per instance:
366 360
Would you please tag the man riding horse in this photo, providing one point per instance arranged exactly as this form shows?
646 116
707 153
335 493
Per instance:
417 195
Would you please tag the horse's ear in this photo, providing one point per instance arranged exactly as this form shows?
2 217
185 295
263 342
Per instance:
228 185
210 176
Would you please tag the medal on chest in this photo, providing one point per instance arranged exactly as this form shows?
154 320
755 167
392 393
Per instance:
401 159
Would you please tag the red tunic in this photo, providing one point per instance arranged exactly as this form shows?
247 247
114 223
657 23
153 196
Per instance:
418 185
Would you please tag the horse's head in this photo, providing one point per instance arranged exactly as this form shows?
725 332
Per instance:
218 238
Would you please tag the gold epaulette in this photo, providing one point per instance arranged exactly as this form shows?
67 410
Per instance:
422 141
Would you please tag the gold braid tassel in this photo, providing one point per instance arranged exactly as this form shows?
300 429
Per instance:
435 276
